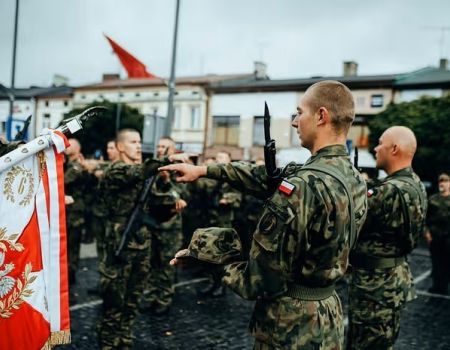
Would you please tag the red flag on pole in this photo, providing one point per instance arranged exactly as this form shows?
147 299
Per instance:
134 67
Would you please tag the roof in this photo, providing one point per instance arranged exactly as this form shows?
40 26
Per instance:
425 77
148 82
299 84
36 91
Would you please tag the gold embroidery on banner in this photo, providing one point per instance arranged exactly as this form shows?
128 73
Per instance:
12 290
25 185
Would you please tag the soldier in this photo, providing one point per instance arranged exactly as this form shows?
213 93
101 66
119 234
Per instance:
122 280
164 209
310 220
381 281
111 151
75 179
222 201
438 235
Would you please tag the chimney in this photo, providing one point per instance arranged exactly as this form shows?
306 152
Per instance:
443 63
260 70
110 76
350 69
60 80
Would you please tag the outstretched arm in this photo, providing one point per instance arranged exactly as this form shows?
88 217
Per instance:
242 176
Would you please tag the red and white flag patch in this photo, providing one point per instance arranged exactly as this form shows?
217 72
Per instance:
286 187
370 192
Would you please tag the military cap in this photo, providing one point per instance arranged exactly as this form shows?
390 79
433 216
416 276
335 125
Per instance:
214 245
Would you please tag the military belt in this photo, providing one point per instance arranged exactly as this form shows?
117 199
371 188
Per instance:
373 262
309 293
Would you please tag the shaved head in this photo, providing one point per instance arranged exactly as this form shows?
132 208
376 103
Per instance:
404 138
396 149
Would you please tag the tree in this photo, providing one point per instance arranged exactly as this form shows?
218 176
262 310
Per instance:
429 118
98 131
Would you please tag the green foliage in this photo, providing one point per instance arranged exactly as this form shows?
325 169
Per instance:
98 131
429 118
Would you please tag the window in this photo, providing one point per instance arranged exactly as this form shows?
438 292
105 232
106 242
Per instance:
376 101
100 96
137 94
120 94
195 117
83 97
226 130
66 103
46 103
156 94
46 120
258 131
177 118
155 110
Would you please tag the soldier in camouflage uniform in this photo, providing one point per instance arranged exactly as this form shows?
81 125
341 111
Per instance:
381 281
122 281
438 235
165 222
75 179
310 220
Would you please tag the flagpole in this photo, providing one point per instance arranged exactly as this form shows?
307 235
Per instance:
13 68
170 109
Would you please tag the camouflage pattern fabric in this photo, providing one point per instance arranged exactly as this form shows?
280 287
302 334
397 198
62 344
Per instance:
75 179
166 236
438 223
394 222
122 281
220 215
99 216
301 238
214 245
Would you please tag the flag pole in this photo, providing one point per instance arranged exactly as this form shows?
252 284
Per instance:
13 68
170 109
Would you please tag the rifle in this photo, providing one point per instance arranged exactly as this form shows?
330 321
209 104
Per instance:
20 136
270 151
135 220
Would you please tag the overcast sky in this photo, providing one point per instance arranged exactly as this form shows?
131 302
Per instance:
296 38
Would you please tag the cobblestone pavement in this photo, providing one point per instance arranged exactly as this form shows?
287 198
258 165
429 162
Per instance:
221 323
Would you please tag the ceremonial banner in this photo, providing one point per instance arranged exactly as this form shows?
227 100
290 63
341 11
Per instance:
34 305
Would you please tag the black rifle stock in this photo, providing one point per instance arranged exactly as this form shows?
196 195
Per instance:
270 151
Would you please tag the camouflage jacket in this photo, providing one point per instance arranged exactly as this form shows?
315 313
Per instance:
160 214
396 216
121 185
438 216
212 192
301 238
75 184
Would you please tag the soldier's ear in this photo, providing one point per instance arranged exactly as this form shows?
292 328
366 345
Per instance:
395 149
323 116
119 146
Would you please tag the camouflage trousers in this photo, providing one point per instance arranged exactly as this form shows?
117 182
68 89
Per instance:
376 299
122 285
98 227
289 324
160 290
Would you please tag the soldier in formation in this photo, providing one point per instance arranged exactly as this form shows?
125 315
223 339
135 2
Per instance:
122 280
163 216
438 235
381 281
309 223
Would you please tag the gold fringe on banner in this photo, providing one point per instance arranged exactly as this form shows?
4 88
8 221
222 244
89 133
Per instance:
57 338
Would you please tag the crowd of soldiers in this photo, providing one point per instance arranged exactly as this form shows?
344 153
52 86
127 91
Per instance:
298 234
